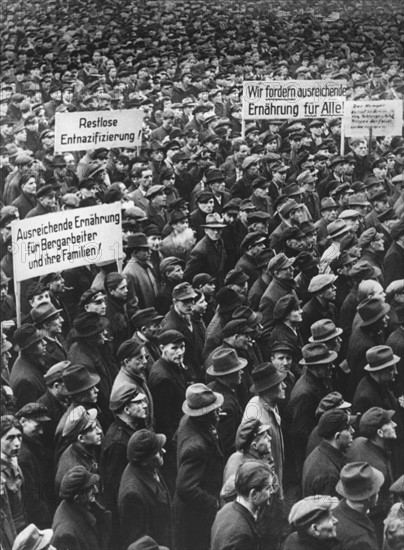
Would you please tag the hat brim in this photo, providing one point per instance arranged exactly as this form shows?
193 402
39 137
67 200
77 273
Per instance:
330 359
214 225
365 323
53 314
390 363
30 342
340 232
337 332
257 388
377 482
93 380
104 324
204 410
242 363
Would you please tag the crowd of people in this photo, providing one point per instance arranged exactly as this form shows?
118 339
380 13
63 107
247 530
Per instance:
236 381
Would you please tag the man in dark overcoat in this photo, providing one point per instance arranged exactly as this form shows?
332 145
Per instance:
200 469
144 502
209 254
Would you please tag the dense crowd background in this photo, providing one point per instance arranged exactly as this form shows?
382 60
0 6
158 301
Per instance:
249 355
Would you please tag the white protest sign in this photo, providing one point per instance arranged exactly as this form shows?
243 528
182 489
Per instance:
66 239
92 129
293 99
384 118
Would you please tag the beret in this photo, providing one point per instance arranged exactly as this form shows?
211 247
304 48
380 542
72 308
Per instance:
170 337
76 480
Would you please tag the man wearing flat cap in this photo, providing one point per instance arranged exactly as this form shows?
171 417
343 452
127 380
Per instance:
129 406
281 268
31 460
142 279
144 502
314 524
252 244
372 247
200 468
46 201
377 430
80 521
323 465
321 305
132 358
84 436
168 382
179 318
147 327
393 262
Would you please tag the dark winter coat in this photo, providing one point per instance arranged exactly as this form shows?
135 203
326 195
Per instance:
355 530
144 506
27 379
234 528
200 471
209 257
321 470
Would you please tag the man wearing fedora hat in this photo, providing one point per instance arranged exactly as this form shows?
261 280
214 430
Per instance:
370 331
200 468
311 387
144 502
32 538
27 374
48 319
396 342
142 280
359 485
226 368
377 432
89 348
208 255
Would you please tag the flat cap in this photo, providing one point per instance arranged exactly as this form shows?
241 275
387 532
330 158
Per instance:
129 348
368 236
35 411
236 277
373 419
280 261
248 431
183 291
307 511
333 421
321 281
170 337
78 420
55 373
250 160
124 395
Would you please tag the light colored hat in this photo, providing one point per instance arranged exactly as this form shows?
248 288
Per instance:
201 400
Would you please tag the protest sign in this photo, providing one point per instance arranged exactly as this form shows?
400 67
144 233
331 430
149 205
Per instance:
62 240
287 99
93 129
383 118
